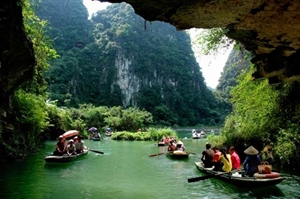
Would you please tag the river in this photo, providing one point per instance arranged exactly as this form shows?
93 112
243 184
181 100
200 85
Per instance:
125 171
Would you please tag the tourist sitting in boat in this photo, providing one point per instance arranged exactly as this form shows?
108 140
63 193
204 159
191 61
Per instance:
179 146
235 159
171 146
79 144
225 161
251 162
60 147
207 156
96 134
167 140
194 132
217 155
71 148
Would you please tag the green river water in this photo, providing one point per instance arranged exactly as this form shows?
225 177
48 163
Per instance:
125 171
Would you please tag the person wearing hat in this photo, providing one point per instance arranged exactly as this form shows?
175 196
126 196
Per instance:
208 156
79 144
71 148
179 146
60 146
252 161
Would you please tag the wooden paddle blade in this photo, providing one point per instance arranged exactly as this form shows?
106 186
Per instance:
200 178
156 154
96 151
206 177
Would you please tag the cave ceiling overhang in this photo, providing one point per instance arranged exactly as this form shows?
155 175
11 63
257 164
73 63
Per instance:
267 28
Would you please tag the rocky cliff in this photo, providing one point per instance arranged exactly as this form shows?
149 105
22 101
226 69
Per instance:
16 55
267 28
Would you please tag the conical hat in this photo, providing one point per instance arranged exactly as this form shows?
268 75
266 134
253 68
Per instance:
251 151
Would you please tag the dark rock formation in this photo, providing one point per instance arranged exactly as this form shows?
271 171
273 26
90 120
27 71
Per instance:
16 53
268 28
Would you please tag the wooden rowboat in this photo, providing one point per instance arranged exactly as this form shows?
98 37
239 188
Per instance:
108 134
96 139
178 154
64 158
238 180
161 144
196 136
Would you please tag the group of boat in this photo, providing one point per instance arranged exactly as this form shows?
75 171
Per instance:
235 177
202 134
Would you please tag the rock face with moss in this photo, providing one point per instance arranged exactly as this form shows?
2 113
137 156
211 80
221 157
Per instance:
16 54
269 29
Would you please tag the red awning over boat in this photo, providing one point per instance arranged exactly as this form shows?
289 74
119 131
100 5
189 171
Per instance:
70 133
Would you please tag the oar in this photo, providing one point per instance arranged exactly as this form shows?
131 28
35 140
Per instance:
209 176
156 154
96 151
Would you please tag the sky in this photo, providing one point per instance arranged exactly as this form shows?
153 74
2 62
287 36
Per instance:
211 65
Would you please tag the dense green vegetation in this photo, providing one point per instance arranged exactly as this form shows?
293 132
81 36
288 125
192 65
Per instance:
265 115
118 59
27 113
150 134
261 115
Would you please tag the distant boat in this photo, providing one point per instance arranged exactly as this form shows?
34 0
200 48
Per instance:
196 136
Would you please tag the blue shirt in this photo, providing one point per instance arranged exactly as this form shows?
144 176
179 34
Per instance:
251 164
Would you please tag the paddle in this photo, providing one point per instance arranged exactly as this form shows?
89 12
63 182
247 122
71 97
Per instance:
209 176
96 151
156 154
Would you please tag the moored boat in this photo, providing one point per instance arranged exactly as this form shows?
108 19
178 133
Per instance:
238 180
64 158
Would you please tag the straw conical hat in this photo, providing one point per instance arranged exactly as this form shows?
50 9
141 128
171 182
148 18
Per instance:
251 151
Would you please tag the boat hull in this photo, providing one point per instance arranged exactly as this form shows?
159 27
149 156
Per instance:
161 144
56 158
178 156
95 139
245 182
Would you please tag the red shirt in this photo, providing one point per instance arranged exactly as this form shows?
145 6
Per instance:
235 160
217 156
